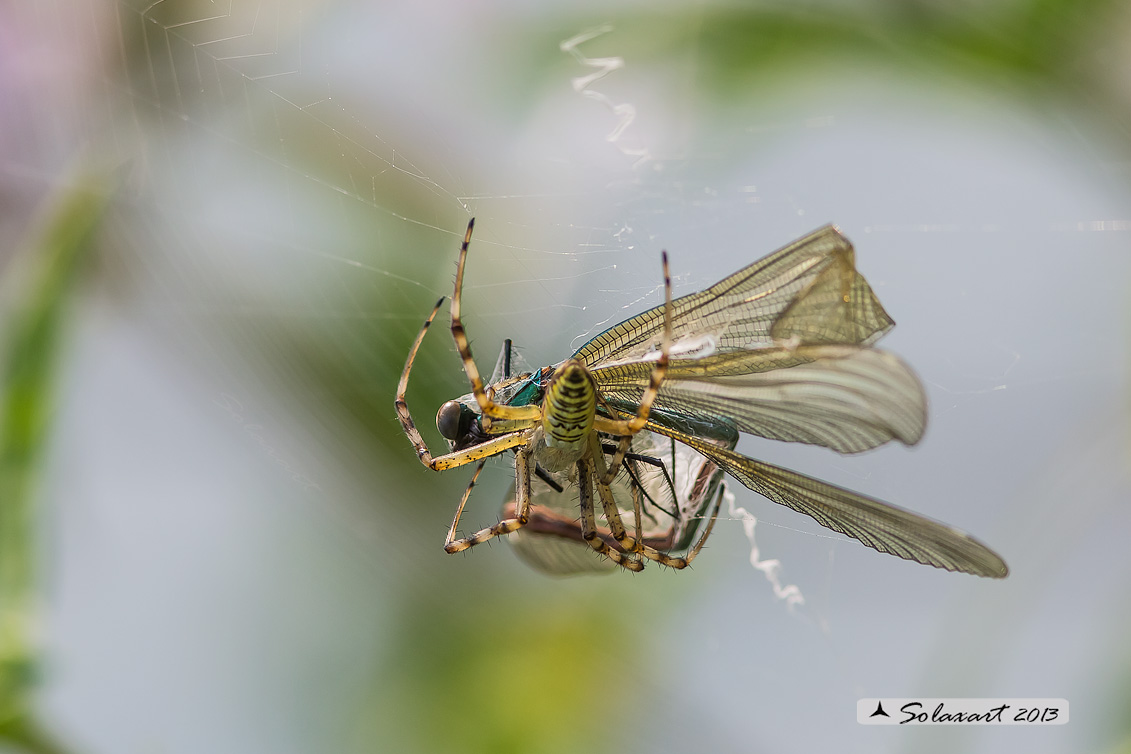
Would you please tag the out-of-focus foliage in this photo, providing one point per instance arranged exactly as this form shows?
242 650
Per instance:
38 294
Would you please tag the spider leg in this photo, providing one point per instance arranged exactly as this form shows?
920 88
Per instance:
490 409
612 513
683 561
627 428
545 477
634 475
637 505
710 526
407 424
423 453
589 520
507 525
616 526
618 457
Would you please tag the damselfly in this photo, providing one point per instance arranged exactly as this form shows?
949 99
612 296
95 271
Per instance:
780 349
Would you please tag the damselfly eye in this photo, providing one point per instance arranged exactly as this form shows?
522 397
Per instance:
450 420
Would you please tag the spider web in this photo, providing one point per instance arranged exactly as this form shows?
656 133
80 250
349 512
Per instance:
260 144
299 176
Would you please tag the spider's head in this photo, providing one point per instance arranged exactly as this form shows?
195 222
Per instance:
458 423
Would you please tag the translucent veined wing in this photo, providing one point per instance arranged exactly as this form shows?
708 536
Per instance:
676 485
807 293
878 525
780 317
847 398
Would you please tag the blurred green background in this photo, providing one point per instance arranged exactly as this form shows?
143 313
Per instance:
224 224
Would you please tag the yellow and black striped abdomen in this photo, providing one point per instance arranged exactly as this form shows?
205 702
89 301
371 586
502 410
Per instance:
569 406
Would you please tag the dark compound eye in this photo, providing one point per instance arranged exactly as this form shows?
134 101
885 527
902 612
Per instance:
453 420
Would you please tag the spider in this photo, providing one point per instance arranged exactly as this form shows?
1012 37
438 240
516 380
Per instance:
561 434
668 482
